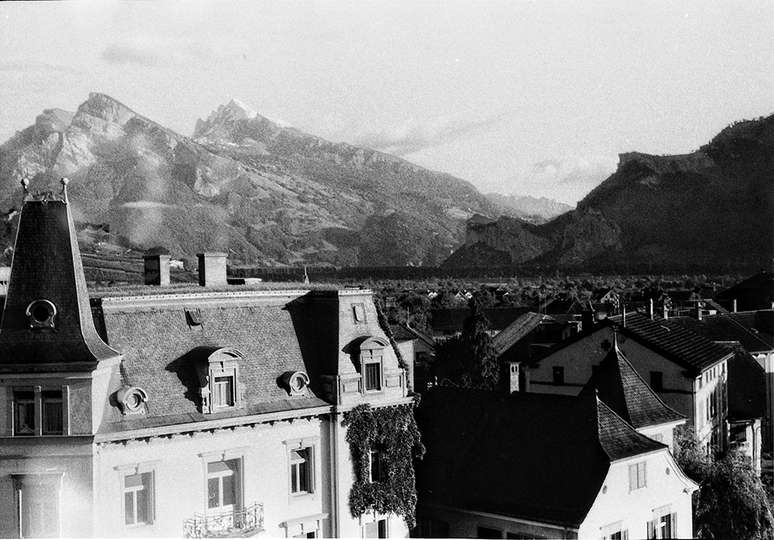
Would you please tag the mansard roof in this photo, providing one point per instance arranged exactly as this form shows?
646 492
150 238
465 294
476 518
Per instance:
167 340
47 267
619 385
531 456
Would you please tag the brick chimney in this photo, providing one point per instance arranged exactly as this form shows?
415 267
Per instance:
156 269
513 377
212 269
651 314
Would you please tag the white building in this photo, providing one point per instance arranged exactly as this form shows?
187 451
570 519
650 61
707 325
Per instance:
172 412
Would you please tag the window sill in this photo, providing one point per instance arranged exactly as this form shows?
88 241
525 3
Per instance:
303 495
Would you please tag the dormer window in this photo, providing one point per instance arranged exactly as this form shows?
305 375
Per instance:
41 313
223 388
372 364
358 313
131 399
294 382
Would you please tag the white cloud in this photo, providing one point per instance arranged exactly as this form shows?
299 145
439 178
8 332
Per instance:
414 135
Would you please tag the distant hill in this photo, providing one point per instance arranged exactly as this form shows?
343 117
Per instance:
712 207
533 209
267 193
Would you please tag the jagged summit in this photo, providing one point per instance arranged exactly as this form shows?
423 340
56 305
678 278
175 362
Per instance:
268 194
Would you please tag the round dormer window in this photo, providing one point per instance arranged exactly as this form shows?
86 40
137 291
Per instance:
131 398
41 313
294 382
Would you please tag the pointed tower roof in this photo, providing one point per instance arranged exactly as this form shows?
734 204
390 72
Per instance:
622 389
47 323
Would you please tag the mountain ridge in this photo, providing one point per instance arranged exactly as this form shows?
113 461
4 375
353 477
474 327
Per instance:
270 194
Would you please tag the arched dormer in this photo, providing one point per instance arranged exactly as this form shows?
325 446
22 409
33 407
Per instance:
223 389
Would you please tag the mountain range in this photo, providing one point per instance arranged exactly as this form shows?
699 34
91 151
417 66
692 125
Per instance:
532 209
266 193
712 208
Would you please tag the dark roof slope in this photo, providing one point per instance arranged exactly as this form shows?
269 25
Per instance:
727 328
673 340
166 355
619 385
453 319
532 456
47 265
755 292
746 387
517 330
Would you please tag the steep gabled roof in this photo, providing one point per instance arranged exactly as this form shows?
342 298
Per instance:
619 385
517 330
672 340
532 456
746 387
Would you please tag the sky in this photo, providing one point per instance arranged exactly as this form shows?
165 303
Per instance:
520 97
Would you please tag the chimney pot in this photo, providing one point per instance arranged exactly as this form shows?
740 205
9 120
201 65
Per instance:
156 269
212 269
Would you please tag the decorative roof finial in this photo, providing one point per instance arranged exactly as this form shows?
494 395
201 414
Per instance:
64 181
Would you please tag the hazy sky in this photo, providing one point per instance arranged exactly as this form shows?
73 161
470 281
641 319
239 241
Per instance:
520 97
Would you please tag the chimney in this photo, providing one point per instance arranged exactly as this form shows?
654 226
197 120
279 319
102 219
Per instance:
698 311
734 305
666 312
651 315
513 377
156 269
623 317
212 269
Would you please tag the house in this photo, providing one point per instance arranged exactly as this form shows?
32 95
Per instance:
686 370
753 293
543 466
448 322
182 410
619 386
417 349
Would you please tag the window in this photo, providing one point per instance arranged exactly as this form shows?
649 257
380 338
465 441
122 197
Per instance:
24 412
657 380
301 471
358 313
433 528
486 532
222 484
614 531
373 376
658 437
637 477
223 391
663 527
52 412
138 499
376 529
377 470
558 375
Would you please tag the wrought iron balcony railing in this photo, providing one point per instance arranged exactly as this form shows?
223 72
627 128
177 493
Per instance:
233 523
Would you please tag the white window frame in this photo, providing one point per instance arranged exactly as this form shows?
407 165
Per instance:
638 476
295 470
220 475
37 403
310 445
134 490
223 362
26 482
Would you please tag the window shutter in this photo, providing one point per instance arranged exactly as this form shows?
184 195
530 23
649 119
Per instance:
632 477
673 525
651 529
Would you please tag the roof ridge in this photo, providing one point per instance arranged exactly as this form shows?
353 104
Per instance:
601 405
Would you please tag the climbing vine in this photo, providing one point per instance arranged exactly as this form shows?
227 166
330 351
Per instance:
393 432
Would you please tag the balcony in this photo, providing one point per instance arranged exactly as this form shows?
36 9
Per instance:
234 523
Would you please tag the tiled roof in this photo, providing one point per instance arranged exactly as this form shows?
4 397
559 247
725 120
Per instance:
746 387
618 384
532 456
517 330
726 327
163 353
673 340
